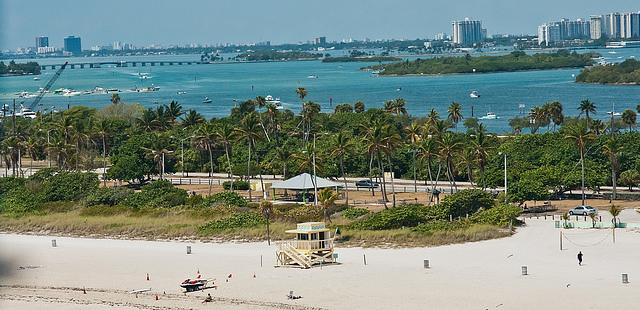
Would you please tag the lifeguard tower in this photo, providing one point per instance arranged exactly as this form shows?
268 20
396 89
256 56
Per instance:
313 245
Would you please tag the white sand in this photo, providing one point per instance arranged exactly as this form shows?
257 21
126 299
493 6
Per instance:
482 275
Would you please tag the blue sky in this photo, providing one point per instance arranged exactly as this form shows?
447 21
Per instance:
144 22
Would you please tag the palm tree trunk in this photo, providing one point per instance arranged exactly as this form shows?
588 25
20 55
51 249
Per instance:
393 187
249 171
344 178
104 162
226 151
260 173
373 190
582 165
415 177
385 199
614 179
210 167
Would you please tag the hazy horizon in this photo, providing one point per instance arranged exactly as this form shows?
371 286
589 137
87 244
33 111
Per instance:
166 22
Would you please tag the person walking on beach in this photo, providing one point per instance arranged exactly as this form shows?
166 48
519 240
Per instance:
580 258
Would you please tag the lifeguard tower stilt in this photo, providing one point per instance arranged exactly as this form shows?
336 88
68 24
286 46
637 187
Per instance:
313 245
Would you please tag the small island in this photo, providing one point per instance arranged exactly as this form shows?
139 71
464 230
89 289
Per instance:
624 73
515 61
277 56
359 56
14 68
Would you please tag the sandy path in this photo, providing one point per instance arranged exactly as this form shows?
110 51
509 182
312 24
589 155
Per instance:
482 275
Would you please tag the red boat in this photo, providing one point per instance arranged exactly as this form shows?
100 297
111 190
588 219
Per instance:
192 285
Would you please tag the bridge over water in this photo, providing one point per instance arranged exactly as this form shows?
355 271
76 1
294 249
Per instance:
119 64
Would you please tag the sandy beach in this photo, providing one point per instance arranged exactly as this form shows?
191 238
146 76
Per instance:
481 275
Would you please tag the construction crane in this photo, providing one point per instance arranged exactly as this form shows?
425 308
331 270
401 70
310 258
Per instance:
48 86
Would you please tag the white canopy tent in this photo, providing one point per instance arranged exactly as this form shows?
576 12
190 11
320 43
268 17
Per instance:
304 182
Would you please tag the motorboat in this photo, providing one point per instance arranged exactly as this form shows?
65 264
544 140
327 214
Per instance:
27 113
112 90
474 94
71 93
313 76
181 92
206 100
489 116
275 101
614 113
36 78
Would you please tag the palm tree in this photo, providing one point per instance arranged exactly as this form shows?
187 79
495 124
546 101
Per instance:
396 106
283 154
341 147
554 110
467 160
587 107
102 129
629 118
173 110
266 209
205 137
449 147
539 118
413 132
432 120
613 149
225 134
158 150
302 93
426 153
147 121
115 98
250 132
192 118
615 212
480 146
455 113
31 146
581 136
327 198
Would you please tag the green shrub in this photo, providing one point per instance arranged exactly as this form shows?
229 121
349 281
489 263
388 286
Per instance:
226 198
9 183
441 225
237 185
109 196
467 202
67 186
354 213
499 216
237 220
302 213
19 201
402 216
157 194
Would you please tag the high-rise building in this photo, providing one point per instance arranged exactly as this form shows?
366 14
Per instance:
73 45
440 36
320 41
42 42
549 33
117 46
467 32
595 27
612 25
630 25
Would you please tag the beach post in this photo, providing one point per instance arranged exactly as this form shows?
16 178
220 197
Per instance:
364 258
260 260
188 249
426 264
524 270
53 243
625 278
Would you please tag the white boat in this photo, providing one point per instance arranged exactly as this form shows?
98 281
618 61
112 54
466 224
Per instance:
206 100
27 113
490 115
36 78
181 92
71 93
614 113
474 94
275 101
112 90
313 76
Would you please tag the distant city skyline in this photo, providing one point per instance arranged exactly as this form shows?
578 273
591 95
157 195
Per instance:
165 22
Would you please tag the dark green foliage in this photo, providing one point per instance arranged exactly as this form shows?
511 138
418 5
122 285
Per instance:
354 213
515 61
501 215
19 69
69 186
227 199
157 194
361 59
441 225
19 201
237 185
276 55
109 196
8 184
237 220
467 202
626 72
402 216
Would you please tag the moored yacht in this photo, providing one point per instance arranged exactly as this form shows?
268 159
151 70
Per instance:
474 94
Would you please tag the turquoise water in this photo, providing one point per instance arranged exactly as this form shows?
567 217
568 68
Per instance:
501 93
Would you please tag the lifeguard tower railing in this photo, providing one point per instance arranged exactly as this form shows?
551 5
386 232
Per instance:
306 245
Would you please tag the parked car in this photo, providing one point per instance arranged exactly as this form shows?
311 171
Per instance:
583 210
367 184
